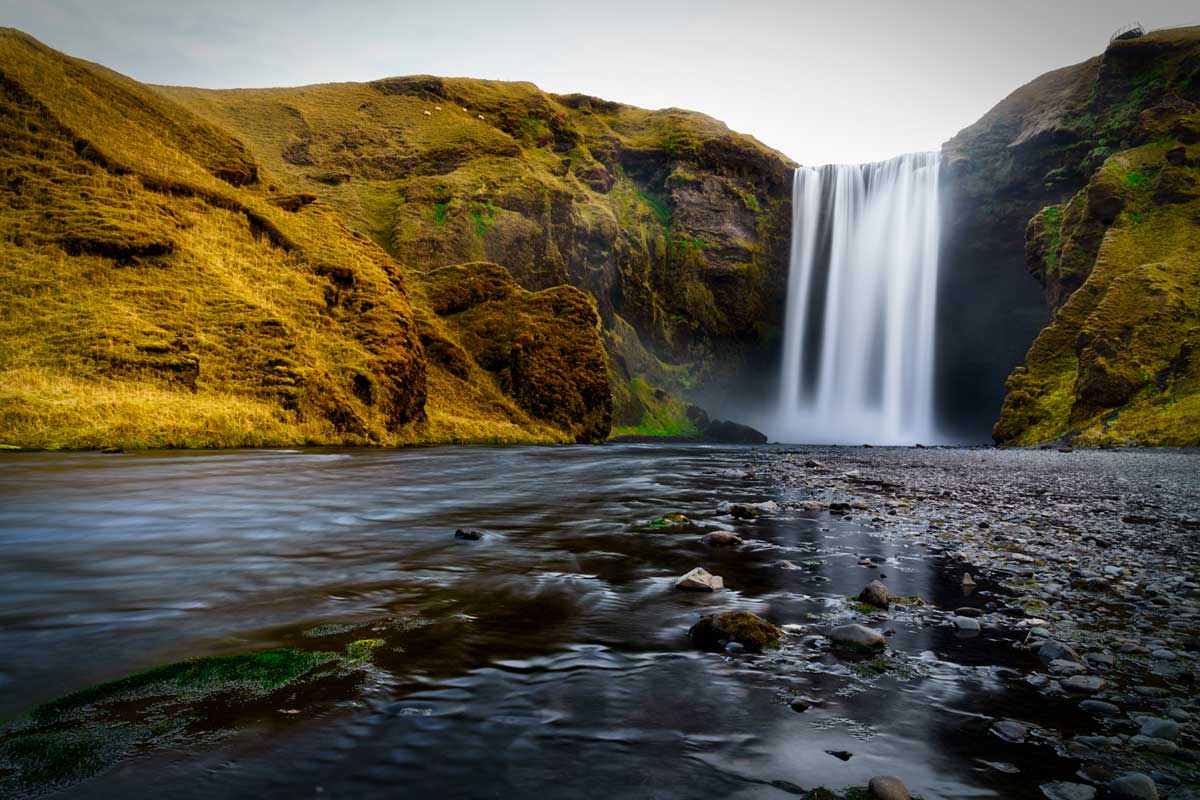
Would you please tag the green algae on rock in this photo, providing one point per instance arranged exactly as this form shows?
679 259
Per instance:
81 734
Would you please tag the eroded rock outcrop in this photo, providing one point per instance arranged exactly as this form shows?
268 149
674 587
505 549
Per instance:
1101 158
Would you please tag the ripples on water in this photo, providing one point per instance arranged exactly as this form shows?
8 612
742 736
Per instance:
553 657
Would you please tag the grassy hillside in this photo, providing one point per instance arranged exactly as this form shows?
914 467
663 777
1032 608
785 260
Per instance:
1110 152
159 287
675 225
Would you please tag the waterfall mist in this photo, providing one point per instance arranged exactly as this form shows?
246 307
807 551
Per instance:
862 292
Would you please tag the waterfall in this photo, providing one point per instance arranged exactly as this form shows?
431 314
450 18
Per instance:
862 289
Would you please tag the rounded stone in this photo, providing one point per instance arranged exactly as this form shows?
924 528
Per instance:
1084 684
1061 790
721 539
875 594
1160 728
887 787
1133 786
859 636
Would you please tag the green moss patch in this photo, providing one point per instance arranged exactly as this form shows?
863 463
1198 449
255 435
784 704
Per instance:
82 733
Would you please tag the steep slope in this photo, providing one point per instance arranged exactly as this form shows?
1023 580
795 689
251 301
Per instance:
158 289
677 226
1104 157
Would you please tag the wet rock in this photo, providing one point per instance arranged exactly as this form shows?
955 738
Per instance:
734 648
858 637
801 704
967 624
887 787
1159 728
1061 666
967 580
700 580
841 755
721 539
1150 744
967 611
1053 651
1010 731
1084 684
1133 786
469 534
733 433
1099 708
750 630
747 510
1068 791
875 594
668 521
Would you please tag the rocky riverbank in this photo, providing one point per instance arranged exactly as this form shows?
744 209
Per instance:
1085 567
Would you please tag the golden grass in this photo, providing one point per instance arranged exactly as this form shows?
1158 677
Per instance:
156 292
40 408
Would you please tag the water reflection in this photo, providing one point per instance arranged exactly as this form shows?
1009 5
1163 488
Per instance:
551 655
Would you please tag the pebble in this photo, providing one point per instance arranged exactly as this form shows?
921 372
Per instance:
887 787
1159 728
1052 650
1152 745
1061 666
720 539
1084 684
1133 786
469 534
1099 708
1068 791
1010 731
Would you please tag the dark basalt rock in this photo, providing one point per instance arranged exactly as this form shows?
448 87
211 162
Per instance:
733 433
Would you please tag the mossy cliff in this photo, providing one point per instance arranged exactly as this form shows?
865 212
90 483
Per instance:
1103 160
161 286
675 225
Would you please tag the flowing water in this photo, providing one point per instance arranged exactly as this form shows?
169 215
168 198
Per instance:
551 656
862 293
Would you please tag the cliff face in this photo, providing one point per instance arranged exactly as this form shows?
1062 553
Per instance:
161 286
675 225
1101 159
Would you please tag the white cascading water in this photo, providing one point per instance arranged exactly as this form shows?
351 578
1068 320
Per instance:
858 361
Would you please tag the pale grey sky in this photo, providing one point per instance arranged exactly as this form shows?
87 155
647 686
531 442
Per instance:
849 81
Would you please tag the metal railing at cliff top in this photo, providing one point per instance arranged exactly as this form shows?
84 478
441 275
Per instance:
1130 31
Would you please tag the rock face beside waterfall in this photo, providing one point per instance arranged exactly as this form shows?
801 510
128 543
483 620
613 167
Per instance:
1098 165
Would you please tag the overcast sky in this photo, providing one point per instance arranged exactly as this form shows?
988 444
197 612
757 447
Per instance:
824 82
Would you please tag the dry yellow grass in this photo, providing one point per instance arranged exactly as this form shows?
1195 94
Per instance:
158 290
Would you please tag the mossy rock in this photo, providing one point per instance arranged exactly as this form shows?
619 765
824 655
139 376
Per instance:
80 734
747 629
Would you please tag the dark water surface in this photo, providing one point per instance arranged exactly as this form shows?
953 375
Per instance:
551 657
